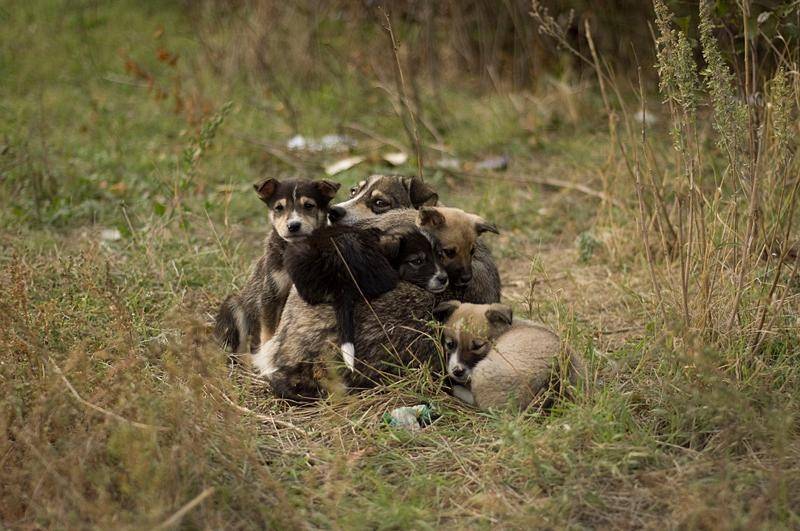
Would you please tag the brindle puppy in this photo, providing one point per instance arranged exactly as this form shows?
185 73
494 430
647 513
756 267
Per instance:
391 333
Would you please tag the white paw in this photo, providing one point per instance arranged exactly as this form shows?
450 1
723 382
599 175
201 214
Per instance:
349 355
264 359
464 394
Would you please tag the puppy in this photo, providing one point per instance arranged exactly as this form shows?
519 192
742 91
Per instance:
379 194
343 264
473 278
392 333
496 360
296 208
286 360
469 265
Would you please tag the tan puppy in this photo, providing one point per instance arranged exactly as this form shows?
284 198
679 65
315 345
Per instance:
497 361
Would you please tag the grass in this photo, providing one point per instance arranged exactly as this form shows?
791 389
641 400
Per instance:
118 411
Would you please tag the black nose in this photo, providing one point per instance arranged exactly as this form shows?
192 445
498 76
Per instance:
441 278
458 372
336 213
293 226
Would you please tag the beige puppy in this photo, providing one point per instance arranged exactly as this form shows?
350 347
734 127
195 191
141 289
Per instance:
496 360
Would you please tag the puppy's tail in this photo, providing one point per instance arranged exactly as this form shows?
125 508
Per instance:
346 325
230 326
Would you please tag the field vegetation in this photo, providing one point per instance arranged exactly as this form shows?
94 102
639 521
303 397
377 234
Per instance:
647 202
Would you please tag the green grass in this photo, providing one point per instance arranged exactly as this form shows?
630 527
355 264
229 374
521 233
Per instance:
656 439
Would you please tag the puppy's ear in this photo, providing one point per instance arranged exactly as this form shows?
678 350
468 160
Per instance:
481 226
266 188
479 346
419 192
429 217
328 189
444 310
390 245
499 315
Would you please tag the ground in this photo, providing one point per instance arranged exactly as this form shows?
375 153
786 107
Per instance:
127 218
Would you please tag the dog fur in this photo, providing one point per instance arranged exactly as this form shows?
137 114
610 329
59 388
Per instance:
295 346
342 264
296 208
379 194
298 360
497 361
473 277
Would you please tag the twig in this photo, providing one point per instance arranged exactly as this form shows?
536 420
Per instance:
259 416
375 136
176 518
401 88
113 78
620 330
545 181
97 408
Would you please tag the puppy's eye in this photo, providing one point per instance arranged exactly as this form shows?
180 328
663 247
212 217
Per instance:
417 261
449 253
353 191
449 344
477 344
278 208
380 203
309 206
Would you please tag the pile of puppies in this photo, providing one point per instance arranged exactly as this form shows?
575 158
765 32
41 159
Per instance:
364 282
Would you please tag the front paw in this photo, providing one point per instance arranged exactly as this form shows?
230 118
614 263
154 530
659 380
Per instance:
349 355
463 394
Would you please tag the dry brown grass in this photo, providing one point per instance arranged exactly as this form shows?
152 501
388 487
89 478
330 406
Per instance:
117 410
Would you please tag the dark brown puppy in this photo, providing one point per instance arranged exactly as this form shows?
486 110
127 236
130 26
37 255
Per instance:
296 208
342 265
391 334
473 277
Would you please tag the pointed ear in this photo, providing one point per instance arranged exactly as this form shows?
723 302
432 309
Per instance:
419 192
328 189
499 315
429 217
266 188
481 226
444 310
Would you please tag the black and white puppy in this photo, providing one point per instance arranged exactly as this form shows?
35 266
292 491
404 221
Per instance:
343 264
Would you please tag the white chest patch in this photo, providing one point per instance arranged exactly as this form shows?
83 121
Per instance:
282 282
